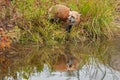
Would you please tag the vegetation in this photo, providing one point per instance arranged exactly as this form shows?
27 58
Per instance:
31 18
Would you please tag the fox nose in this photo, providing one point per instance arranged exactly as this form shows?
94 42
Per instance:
69 63
71 19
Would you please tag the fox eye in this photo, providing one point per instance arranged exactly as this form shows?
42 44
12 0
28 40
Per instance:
72 16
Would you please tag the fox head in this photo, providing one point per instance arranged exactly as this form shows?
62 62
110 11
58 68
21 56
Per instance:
73 18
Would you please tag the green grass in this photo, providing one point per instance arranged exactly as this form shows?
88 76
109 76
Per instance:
96 20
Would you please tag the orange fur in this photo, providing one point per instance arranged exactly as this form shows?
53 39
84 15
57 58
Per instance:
59 11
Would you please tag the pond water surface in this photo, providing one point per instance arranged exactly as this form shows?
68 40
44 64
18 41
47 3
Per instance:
99 60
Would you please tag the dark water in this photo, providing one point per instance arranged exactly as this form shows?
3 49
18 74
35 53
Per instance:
99 60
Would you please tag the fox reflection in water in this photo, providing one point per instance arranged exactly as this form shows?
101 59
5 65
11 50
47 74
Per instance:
71 61
67 61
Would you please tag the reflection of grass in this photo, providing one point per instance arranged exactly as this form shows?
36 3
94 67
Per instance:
38 56
35 56
95 20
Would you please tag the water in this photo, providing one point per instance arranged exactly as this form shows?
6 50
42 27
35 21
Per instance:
98 60
87 72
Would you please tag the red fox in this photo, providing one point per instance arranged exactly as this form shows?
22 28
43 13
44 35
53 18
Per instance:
63 13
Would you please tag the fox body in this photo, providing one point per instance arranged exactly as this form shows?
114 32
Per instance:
60 12
63 13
